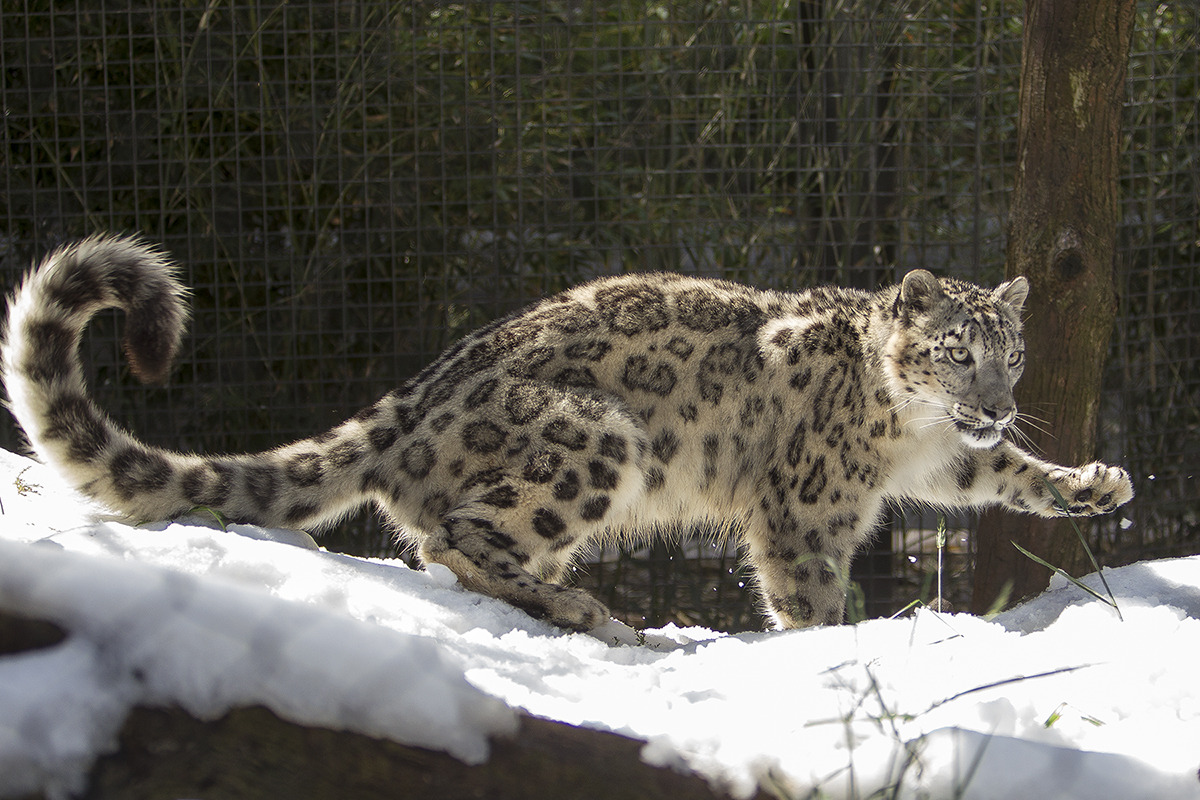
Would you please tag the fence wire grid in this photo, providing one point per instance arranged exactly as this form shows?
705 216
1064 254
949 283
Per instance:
351 186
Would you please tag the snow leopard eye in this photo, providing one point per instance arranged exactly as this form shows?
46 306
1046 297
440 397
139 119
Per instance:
960 355
1016 358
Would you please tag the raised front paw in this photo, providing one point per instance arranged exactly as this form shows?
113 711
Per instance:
1091 489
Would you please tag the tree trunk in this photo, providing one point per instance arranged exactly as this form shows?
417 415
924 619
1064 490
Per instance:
1062 237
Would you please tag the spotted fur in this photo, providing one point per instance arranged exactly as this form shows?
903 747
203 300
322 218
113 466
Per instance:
629 405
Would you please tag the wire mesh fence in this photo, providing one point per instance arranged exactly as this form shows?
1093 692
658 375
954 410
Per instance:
350 186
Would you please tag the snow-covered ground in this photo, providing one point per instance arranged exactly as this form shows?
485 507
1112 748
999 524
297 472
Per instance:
1054 699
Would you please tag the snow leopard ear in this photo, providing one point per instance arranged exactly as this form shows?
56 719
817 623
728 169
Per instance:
920 291
1013 293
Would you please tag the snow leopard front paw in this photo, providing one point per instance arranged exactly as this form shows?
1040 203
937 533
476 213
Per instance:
1091 489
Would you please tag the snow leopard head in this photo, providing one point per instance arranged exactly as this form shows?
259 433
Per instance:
957 348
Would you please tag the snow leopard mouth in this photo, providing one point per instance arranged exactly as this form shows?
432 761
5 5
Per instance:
982 437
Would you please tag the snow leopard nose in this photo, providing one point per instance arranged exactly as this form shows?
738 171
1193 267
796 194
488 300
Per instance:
999 416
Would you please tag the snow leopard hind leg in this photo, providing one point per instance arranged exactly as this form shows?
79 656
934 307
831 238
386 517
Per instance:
508 515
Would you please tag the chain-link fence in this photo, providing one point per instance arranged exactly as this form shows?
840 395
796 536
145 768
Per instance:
350 186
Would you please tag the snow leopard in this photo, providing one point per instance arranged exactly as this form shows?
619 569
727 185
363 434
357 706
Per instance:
628 407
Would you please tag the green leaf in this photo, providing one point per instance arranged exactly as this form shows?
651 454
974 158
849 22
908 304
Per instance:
217 515
1106 600
1062 504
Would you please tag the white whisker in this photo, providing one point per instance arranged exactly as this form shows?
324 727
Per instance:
1023 438
1024 415
1039 425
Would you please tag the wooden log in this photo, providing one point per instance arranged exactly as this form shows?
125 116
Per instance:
251 753
19 633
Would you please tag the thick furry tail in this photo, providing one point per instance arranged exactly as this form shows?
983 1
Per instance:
40 362
307 483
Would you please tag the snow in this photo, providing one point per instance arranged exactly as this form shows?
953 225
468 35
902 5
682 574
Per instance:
1057 698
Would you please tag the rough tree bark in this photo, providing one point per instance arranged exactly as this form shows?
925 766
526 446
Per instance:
1062 237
